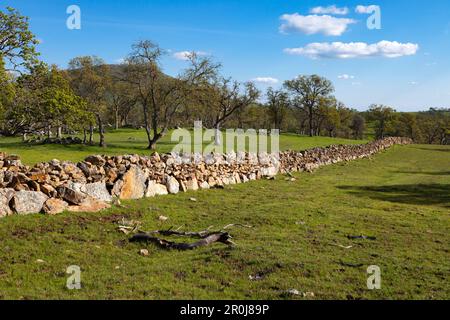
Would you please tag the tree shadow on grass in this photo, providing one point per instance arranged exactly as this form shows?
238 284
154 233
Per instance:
427 173
431 149
421 194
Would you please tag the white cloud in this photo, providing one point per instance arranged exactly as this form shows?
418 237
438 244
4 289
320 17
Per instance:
414 83
366 9
330 10
314 24
340 50
265 80
346 77
184 55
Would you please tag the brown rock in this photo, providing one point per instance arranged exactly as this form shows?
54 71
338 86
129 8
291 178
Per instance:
48 190
192 184
95 160
133 184
89 205
55 206
71 194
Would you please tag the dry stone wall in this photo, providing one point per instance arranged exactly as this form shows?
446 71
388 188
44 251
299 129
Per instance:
93 184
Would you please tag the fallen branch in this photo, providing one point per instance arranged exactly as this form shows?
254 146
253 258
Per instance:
206 237
224 238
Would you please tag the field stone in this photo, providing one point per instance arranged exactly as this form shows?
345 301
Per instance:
192 184
89 205
155 189
28 202
173 186
72 193
98 191
55 206
5 197
204 185
133 184
117 188
269 171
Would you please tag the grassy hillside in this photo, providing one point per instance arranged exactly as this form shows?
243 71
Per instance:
401 197
128 141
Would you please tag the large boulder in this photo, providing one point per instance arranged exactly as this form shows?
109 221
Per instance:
98 191
55 206
133 184
172 184
155 189
6 196
27 202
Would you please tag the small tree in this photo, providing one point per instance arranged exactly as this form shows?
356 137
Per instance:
358 126
382 115
278 104
89 82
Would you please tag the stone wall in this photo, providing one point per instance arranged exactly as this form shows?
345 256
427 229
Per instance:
96 182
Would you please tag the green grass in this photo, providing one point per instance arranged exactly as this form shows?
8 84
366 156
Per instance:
401 197
129 141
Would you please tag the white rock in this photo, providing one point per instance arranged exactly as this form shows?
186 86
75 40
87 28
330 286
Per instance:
173 186
155 189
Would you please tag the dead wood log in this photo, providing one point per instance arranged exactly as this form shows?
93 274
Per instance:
206 240
206 237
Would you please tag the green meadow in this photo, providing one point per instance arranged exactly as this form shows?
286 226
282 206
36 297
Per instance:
301 235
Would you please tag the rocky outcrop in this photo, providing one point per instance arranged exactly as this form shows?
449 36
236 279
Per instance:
90 185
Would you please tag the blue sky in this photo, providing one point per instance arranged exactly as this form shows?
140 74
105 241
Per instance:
405 64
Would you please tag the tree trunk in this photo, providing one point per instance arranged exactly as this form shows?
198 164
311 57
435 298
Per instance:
311 120
91 134
117 119
24 137
59 132
49 132
101 131
84 135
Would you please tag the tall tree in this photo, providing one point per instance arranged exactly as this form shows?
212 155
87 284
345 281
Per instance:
17 43
228 98
160 96
307 92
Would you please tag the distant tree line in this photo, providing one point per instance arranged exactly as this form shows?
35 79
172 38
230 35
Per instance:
91 96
